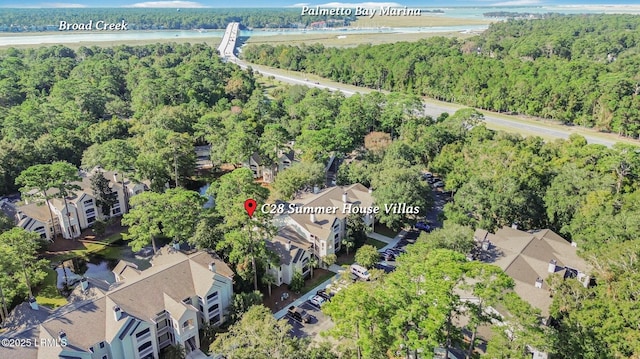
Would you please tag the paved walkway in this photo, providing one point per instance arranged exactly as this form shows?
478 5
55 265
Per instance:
392 243
379 237
306 296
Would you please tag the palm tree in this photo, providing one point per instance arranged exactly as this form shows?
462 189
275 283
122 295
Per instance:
329 259
348 243
268 279
313 263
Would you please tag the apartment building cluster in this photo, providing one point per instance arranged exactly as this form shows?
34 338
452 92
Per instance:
79 211
138 316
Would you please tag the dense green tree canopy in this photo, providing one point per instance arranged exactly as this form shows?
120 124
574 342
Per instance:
574 69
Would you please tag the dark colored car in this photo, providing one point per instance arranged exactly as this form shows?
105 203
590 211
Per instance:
323 293
423 226
386 269
387 256
299 314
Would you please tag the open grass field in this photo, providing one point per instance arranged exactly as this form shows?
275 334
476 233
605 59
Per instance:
343 39
414 21
212 41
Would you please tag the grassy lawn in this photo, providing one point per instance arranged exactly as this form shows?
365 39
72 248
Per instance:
346 259
331 39
48 293
316 281
414 21
214 41
90 247
382 229
374 242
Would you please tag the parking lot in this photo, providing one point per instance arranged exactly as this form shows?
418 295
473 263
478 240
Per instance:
431 217
318 323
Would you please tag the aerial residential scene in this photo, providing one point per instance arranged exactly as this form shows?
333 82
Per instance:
274 180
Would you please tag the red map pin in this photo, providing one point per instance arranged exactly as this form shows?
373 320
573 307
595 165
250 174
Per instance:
250 206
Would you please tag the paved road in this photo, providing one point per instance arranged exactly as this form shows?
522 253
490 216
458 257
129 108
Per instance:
432 108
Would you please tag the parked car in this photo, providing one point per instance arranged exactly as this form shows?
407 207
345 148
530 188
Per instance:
323 293
385 268
298 314
387 256
438 184
317 301
424 227
360 272
427 175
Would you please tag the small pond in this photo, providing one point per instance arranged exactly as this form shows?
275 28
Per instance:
97 266
203 192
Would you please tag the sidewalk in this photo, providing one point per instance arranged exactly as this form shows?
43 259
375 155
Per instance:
392 243
281 313
379 237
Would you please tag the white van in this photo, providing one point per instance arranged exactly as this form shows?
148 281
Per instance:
360 271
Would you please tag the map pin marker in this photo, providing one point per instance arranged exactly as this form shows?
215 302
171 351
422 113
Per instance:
250 206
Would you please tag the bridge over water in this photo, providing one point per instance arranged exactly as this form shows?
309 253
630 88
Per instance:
228 44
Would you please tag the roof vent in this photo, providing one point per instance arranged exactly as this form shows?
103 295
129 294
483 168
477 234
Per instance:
552 266
344 197
539 282
117 312
212 266
288 245
312 217
486 245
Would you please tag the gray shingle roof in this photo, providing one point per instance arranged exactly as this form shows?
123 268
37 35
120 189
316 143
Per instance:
525 257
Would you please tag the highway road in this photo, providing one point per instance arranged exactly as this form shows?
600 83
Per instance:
509 123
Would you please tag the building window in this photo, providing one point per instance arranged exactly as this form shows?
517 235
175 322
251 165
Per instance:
90 211
105 357
116 210
187 324
88 202
90 220
215 319
187 300
213 307
101 345
212 296
141 333
144 347
163 338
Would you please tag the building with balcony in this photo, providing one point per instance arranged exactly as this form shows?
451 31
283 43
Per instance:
142 313
324 231
294 253
79 210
